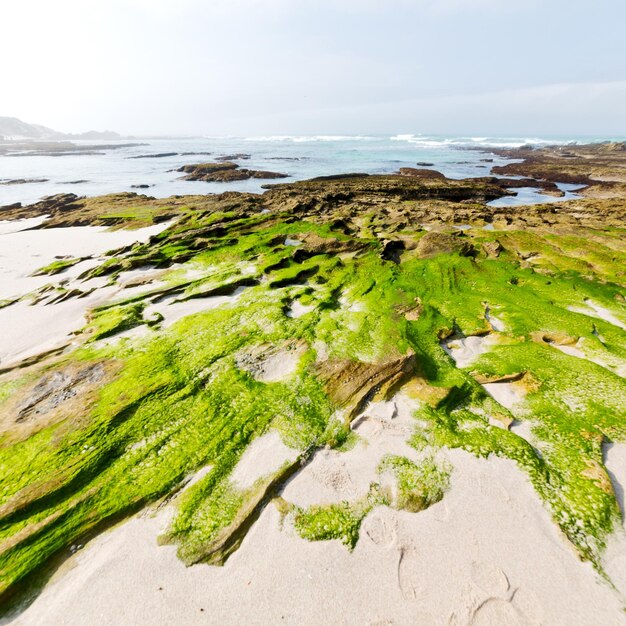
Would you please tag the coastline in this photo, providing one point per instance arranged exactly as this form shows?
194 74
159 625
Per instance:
309 262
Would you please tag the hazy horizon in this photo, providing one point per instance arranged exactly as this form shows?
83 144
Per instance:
275 67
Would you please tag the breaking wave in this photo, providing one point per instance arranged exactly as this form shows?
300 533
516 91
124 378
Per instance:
423 141
312 138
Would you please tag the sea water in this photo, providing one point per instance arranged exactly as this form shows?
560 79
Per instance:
300 157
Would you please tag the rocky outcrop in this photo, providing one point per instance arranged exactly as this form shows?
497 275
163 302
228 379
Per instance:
492 249
389 204
240 156
23 181
224 172
596 165
421 173
158 155
434 243
56 388
351 384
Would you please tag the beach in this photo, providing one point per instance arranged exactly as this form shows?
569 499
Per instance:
375 398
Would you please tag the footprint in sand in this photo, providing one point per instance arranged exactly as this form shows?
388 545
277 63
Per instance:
528 605
491 580
368 428
335 476
381 529
495 611
470 600
408 573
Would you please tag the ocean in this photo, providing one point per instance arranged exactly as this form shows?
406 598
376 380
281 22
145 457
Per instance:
122 169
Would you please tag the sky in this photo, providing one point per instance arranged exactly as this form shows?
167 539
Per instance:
262 67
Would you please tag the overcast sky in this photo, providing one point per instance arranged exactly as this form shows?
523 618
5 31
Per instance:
260 67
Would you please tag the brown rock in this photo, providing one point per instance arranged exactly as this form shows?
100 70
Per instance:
350 384
224 172
433 243
492 249
421 173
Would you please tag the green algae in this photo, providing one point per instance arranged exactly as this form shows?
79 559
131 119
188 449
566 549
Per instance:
181 403
56 267
340 521
418 486
114 320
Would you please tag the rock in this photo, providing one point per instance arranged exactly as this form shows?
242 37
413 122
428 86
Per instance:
351 384
286 158
206 168
421 173
224 172
56 388
340 177
23 181
159 155
433 243
57 202
492 249
312 245
141 186
392 248
234 157
412 313
424 164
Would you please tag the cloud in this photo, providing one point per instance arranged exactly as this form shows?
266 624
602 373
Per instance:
213 65
569 109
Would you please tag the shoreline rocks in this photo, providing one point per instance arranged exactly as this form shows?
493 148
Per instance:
225 171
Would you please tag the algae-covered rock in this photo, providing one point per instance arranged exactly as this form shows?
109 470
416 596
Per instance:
224 171
293 309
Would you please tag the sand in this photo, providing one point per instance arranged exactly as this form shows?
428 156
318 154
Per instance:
496 323
173 310
28 330
334 476
615 557
24 252
15 226
488 553
593 309
466 350
509 395
263 457
271 364
297 309
31 330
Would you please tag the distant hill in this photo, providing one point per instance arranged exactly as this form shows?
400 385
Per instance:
95 134
11 127
14 128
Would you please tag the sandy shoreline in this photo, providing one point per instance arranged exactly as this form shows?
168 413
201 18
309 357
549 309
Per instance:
30 329
489 553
